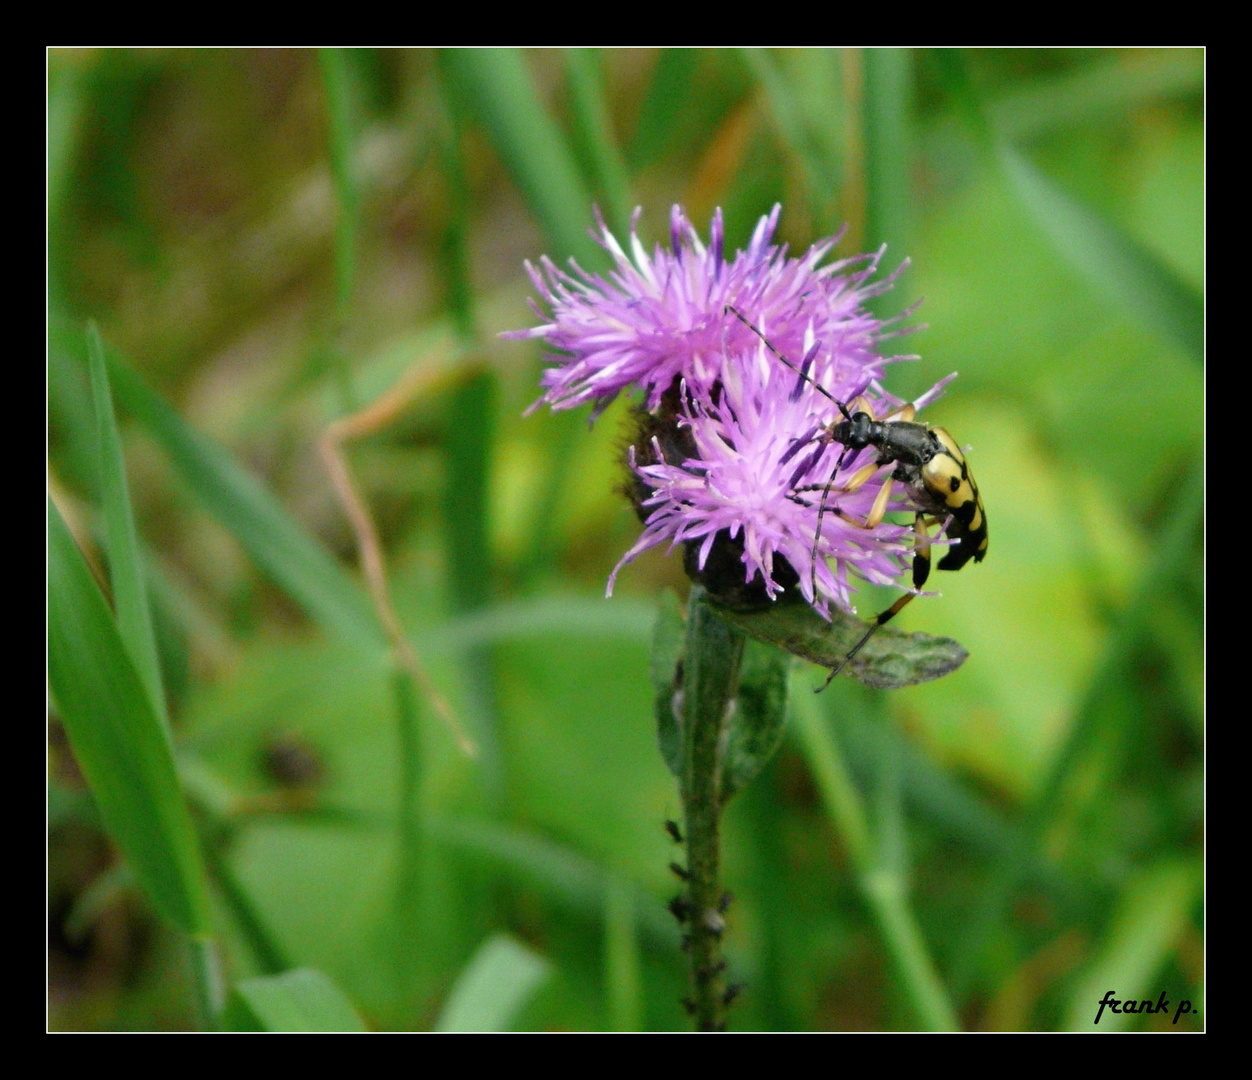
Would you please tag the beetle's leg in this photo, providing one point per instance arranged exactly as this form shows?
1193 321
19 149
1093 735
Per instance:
903 415
921 550
855 483
921 571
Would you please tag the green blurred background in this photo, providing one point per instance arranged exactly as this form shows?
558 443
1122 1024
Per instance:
270 240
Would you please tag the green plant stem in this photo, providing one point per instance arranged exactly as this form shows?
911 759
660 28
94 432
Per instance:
411 835
710 680
471 434
207 985
269 955
881 883
410 821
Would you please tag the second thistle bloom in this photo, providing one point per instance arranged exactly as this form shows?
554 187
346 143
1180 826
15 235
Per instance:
731 447
744 478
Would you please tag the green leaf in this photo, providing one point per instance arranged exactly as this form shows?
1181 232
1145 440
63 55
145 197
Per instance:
668 638
1110 258
301 1000
755 727
126 575
501 978
292 558
495 86
890 659
118 741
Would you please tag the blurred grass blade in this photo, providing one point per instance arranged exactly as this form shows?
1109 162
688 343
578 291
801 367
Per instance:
668 94
471 427
622 976
501 978
126 574
339 114
521 620
594 140
931 793
565 875
885 891
301 1000
65 124
119 743
809 136
1110 258
1103 699
276 542
887 109
1096 91
560 874
1149 920
496 87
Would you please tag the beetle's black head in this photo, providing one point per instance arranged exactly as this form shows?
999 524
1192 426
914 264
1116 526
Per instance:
854 433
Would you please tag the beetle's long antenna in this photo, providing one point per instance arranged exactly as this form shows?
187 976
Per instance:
821 513
804 375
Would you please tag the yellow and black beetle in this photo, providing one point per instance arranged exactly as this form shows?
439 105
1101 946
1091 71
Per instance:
928 463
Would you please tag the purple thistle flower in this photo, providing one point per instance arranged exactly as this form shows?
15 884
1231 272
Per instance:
660 318
732 446
742 481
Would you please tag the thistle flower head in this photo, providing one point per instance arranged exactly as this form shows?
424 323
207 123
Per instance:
656 318
733 450
753 449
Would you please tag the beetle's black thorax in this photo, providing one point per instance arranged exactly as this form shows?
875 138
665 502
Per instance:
904 442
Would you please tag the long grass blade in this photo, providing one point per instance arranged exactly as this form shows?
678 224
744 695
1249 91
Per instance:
668 94
495 87
337 83
118 741
499 981
593 137
888 160
1116 263
1149 920
884 890
126 573
1096 92
301 1000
